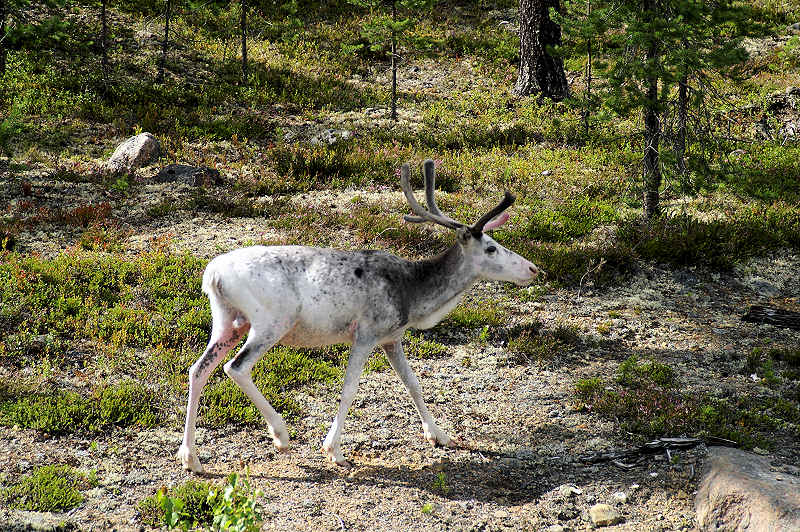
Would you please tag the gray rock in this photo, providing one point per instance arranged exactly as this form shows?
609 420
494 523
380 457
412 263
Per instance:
619 498
190 175
19 521
604 515
568 490
331 136
790 129
134 153
740 491
762 287
793 28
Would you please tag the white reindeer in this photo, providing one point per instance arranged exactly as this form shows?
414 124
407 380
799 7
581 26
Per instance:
310 297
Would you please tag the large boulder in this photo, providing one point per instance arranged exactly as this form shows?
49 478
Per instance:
134 153
740 491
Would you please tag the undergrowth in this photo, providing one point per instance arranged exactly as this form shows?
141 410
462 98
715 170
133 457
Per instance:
57 412
645 398
193 504
51 488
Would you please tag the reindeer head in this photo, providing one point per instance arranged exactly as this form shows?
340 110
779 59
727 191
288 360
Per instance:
482 253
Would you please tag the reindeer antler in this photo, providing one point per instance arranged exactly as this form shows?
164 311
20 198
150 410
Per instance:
504 204
432 214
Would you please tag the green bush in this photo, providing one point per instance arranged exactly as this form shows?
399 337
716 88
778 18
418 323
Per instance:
278 374
644 399
569 220
120 405
235 507
184 506
52 488
632 374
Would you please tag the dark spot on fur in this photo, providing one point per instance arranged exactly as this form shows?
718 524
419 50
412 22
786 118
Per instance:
359 272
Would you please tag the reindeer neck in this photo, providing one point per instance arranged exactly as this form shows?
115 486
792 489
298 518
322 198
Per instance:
438 283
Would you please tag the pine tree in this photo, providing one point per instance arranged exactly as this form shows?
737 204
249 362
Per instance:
243 27
385 27
165 44
540 70
19 30
3 50
657 52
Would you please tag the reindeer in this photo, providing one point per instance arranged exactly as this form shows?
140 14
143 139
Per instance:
310 297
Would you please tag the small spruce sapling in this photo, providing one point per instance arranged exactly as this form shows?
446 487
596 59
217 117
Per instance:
385 27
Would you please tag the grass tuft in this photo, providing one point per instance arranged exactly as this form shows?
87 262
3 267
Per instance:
52 488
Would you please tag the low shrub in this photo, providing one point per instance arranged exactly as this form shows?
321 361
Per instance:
120 405
51 488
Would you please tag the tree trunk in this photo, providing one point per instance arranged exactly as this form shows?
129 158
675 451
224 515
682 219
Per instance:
3 50
244 41
680 137
588 74
652 130
539 72
164 46
773 316
104 40
394 62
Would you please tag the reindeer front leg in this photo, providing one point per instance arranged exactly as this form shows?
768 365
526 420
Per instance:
355 365
398 361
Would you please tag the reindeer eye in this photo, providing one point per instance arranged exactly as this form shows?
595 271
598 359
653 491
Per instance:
491 249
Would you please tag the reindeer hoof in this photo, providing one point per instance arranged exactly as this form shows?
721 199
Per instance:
336 457
280 436
439 438
189 460
281 442
455 443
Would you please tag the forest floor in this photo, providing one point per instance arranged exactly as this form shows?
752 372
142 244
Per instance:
523 429
634 334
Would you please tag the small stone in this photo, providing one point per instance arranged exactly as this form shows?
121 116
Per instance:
619 498
547 173
568 490
759 450
190 175
331 136
793 28
502 514
555 528
604 515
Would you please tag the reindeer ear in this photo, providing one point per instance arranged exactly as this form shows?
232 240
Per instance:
497 222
